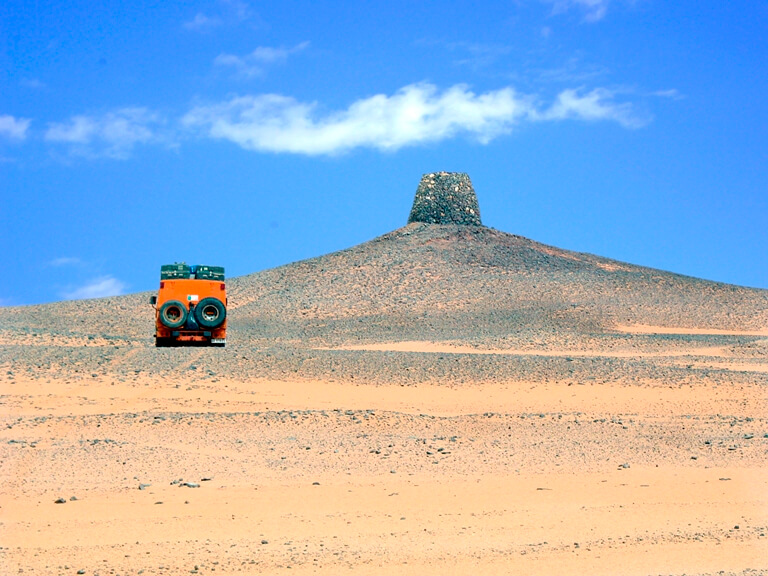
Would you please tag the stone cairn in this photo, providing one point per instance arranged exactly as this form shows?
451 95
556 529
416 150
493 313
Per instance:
445 198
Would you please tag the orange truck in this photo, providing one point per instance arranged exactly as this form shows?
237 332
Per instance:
191 306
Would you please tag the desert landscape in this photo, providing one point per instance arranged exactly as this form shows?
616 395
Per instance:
444 399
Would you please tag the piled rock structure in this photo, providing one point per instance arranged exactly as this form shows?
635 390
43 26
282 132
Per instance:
445 198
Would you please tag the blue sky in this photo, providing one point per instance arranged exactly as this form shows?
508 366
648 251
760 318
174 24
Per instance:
254 134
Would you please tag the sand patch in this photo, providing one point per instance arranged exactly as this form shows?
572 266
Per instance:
49 397
646 329
427 347
646 520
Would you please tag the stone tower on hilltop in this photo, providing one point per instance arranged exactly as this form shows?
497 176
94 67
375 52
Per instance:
445 198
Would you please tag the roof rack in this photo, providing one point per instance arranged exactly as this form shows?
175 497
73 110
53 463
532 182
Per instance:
182 271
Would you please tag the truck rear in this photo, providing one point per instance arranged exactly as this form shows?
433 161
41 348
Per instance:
191 306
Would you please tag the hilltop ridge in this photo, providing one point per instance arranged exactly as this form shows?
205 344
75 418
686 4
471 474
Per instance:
428 277
466 284
442 276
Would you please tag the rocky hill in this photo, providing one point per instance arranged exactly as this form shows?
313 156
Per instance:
428 281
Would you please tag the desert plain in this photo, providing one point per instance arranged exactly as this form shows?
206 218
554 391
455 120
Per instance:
444 399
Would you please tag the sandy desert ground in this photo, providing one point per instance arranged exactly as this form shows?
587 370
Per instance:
207 475
634 449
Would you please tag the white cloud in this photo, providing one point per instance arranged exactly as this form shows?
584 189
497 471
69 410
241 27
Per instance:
97 288
226 12
671 93
416 114
202 22
14 128
113 134
254 64
476 55
594 105
594 10
65 261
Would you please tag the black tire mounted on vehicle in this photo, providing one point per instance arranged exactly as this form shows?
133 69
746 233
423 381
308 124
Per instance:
173 314
210 312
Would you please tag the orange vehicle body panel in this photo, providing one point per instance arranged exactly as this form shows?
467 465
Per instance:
190 291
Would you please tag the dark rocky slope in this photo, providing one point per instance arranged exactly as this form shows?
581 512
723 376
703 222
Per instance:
471 283
443 277
467 284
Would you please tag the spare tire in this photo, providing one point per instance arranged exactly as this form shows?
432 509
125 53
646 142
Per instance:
173 314
210 313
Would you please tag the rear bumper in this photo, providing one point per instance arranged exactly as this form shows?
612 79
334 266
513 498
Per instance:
190 338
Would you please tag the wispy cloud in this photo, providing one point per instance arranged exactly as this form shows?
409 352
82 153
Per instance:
593 10
475 55
97 288
597 104
65 261
113 134
202 22
225 12
574 70
14 128
34 83
671 93
416 114
255 63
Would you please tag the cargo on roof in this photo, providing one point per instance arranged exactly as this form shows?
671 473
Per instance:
181 270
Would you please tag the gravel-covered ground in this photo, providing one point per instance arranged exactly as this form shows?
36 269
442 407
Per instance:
443 398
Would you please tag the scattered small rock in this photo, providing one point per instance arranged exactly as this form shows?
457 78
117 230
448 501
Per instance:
60 501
